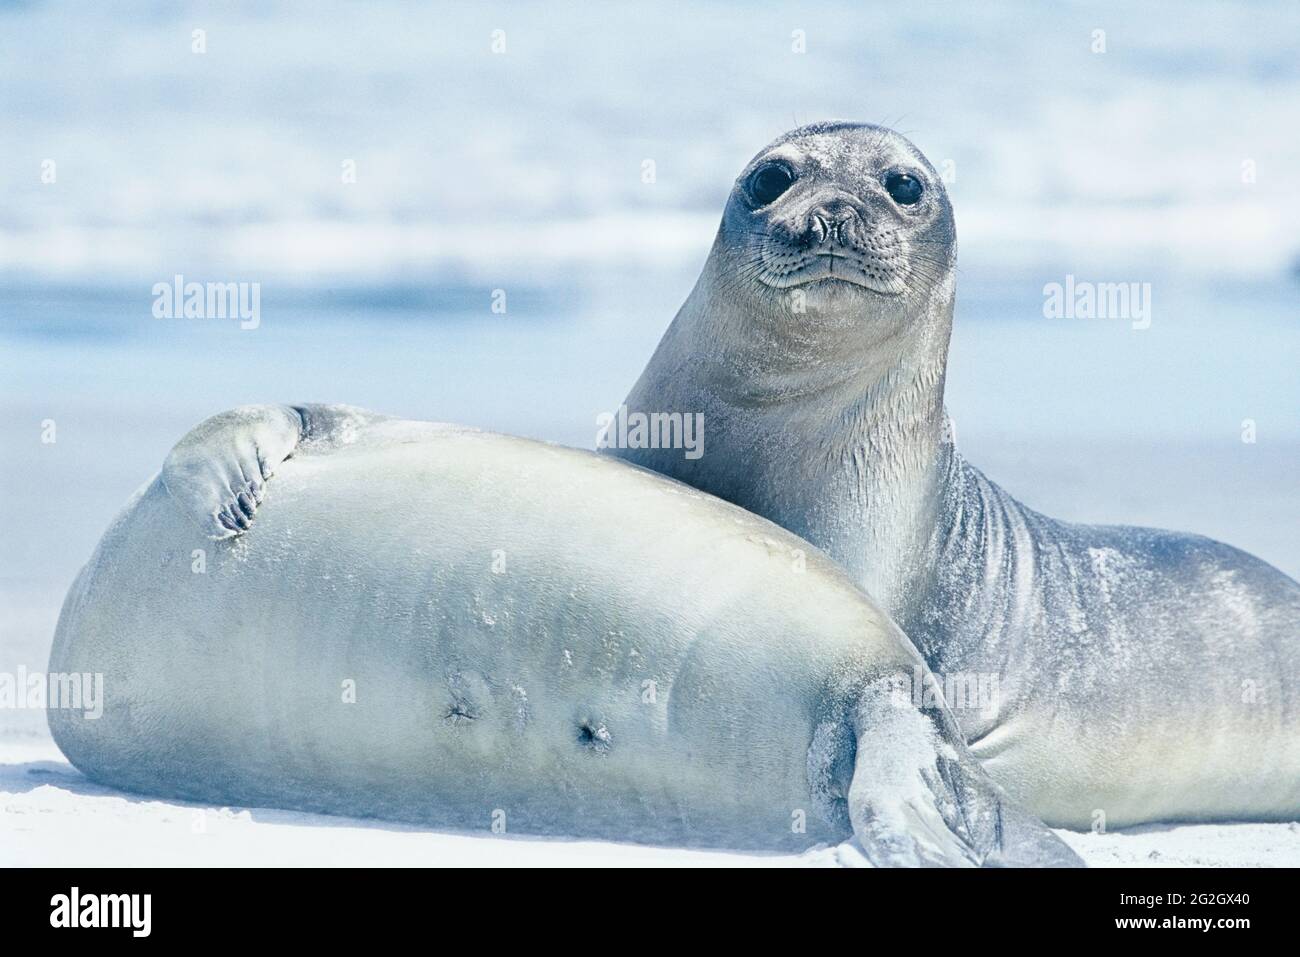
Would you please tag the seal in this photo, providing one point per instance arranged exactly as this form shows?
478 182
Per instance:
1143 675
431 624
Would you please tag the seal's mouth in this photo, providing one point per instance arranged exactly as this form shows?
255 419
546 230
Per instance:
789 268
834 246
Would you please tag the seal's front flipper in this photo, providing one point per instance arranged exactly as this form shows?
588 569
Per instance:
904 811
918 798
902 830
217 473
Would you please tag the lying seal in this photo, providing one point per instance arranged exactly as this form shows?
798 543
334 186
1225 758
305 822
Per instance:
438 625
1144 675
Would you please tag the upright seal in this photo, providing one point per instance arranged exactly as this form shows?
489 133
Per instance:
1144 675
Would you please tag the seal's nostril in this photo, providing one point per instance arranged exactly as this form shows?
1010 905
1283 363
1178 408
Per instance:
830 221
844 228
817 229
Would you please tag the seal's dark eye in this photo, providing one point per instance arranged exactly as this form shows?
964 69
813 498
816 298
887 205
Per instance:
906 190
768 182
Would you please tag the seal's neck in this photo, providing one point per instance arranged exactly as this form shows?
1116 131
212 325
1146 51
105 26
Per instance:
844 445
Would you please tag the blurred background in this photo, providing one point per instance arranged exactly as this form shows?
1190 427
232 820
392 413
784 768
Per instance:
1170 159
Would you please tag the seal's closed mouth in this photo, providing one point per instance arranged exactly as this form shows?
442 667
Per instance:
874 265
834 269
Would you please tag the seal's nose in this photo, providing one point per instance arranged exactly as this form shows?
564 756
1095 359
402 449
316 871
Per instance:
830 221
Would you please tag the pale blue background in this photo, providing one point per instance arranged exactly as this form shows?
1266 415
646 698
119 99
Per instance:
522 171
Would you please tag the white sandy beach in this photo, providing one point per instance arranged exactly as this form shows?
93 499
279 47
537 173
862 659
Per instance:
52 816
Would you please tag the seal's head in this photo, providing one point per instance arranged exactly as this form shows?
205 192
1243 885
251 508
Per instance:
847 223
